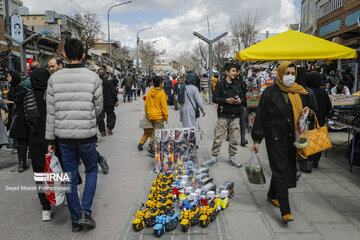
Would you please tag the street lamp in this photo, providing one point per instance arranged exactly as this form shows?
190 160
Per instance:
108 18
137 48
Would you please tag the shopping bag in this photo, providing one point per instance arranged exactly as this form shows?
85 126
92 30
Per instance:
254 171
318 140
52 165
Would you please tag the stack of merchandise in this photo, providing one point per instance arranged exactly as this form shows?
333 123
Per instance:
349 115
342 99
180 185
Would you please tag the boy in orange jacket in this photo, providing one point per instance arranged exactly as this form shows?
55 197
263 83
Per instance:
156 107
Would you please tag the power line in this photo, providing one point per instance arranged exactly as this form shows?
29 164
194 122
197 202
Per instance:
78 5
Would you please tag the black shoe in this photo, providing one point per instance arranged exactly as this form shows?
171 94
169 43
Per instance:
109 131
227 138
104 165
244 142
85 219
150 148
124 100
22 167
306 166
315 164
140 147
75 227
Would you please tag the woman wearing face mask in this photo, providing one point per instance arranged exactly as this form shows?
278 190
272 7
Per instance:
280 107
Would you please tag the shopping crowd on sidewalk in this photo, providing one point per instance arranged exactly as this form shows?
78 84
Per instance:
61 109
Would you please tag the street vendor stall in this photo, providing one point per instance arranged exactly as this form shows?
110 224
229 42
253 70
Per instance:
293 45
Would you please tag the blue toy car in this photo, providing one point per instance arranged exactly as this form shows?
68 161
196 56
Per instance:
165 223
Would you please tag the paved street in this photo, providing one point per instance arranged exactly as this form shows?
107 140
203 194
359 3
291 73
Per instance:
326 203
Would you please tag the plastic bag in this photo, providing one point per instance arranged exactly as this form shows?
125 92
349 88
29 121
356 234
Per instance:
254 171
302 132
52 165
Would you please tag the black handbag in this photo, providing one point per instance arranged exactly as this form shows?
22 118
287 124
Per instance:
197 111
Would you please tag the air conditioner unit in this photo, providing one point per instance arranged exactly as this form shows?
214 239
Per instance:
50 16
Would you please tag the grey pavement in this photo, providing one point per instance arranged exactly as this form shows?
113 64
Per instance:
325 204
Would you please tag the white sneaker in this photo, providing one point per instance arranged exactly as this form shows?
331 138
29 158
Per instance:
46 215
211 162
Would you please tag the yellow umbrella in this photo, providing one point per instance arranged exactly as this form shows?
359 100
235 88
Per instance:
293 45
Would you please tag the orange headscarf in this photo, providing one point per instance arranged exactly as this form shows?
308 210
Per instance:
293 92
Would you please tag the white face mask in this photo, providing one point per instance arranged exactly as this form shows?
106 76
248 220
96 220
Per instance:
288 80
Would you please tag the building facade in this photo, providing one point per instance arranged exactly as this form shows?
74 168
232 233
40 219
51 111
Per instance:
13 6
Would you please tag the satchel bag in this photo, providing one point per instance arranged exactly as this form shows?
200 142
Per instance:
318 140
197 111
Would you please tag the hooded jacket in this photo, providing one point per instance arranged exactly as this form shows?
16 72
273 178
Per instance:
156 105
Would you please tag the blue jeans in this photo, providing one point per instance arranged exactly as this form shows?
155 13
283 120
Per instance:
71 155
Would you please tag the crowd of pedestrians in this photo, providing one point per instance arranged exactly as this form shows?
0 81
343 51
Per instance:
61 109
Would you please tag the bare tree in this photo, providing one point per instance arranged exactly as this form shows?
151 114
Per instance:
188 60
221 51
244 31
201 53
90 27
149 54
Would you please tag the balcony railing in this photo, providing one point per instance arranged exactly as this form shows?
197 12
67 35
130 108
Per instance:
329 7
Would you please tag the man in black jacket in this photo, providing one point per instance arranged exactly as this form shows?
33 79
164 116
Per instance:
229 96
110 100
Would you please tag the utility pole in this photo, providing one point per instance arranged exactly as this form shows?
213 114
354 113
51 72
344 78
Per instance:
210 42
137 48
108 18
8 31
22 49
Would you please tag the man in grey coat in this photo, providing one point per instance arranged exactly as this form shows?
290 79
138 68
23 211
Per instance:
192 100
74 99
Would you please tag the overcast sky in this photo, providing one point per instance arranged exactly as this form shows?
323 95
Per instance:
173 21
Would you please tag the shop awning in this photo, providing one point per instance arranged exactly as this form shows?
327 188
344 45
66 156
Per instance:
293 45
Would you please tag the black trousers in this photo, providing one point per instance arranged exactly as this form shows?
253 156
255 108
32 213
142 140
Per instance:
23 143
127 93
37 154
279 190
243 117
110 118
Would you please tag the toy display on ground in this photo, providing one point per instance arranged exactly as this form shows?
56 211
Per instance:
172 146
180 193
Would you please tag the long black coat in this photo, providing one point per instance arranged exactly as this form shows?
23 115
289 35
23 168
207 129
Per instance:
19 128
324 105
274 121
37 144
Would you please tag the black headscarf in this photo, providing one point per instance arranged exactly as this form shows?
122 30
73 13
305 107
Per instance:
16 79
39 78
313 80
190 79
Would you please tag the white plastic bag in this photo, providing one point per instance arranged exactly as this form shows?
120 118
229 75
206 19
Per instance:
302 132
52 165
254 170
